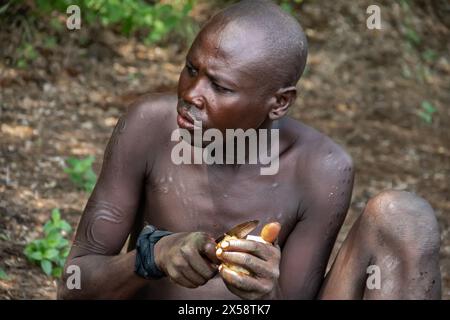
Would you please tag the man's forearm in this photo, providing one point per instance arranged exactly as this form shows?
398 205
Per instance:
103 277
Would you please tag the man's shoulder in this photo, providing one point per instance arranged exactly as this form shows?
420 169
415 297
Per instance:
146 123
152 107
150 116
315 150
322 168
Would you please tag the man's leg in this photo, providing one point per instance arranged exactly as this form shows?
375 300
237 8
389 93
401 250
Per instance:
397 232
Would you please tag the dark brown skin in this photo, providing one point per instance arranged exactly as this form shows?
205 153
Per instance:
139 184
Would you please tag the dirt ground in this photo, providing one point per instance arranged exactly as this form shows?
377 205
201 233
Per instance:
362 87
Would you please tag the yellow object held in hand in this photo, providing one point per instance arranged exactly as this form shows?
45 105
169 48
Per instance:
269 233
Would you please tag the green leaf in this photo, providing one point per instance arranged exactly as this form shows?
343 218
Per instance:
46 267
56 215
22 63
71 161
40 244
80 172
54 234
66 252
412 36
187 8
57 272
171 22
44 5
62 243
29 52
52 250
51 254
425 117
4 237
286 6
50 42
36 255
3 275
65 226
127 26
430 55
29 249
47 227
4 8
428 107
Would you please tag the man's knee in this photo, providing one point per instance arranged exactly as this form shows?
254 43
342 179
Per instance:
405 220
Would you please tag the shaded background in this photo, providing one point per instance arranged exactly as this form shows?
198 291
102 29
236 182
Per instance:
382 94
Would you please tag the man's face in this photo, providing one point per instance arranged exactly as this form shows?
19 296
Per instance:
220 84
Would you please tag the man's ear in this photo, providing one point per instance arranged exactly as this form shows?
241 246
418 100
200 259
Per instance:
284 97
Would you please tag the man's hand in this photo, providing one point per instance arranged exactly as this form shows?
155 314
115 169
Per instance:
261 259
187 259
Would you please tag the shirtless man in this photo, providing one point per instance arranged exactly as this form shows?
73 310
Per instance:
241 72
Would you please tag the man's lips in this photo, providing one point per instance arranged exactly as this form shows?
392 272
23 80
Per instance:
184 120
185 114
184 123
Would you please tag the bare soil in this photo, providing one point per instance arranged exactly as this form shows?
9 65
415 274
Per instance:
362 87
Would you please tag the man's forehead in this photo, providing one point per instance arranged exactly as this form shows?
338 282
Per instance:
234 41
231 46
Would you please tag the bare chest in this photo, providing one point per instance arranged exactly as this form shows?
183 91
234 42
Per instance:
193 198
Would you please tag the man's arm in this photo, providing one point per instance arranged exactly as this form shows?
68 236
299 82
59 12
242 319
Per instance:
110 213
297 272
327 197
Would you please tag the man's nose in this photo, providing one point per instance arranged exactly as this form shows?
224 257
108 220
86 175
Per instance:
194 95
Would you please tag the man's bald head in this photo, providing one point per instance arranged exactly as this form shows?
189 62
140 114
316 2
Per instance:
262 35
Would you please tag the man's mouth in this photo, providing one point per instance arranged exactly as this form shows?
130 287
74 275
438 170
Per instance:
185 120
185 123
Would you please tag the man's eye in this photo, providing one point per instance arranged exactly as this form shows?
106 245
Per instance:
220 88
192 72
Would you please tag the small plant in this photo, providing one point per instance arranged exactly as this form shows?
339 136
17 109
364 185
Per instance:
156 18
3 275
426 114
412 36
429 55
50 42
51 251
80 172
4 8
27 53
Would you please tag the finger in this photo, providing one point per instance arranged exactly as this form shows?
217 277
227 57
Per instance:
270 231
179 278
249 295
261 250
193 277
209 250
205 269
240 281
259 267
